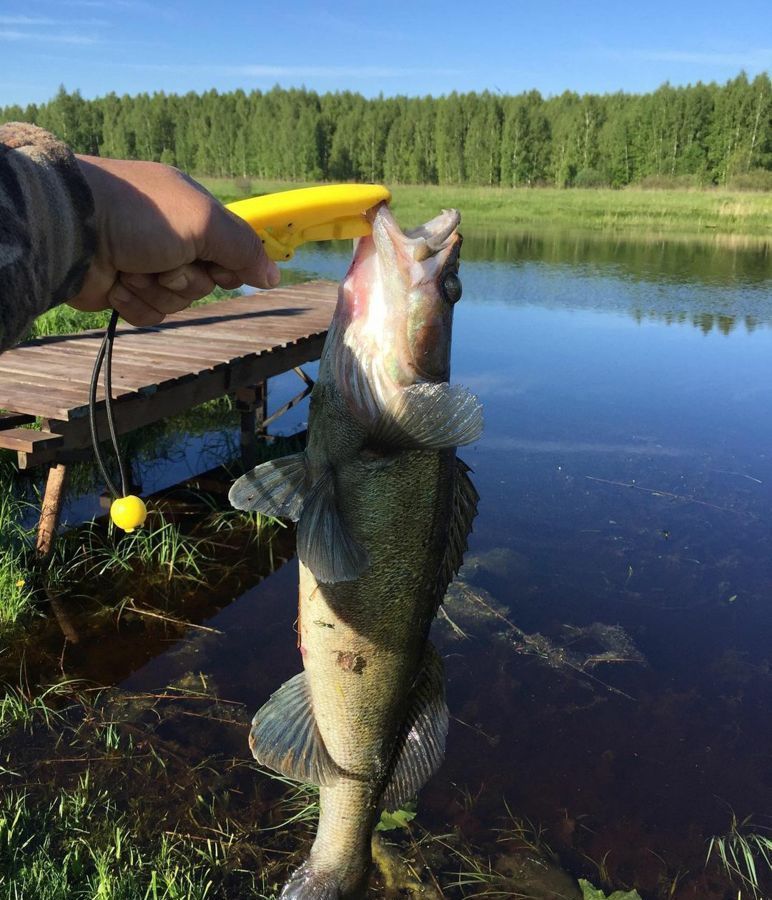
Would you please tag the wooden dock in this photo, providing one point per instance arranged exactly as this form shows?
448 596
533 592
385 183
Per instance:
231 347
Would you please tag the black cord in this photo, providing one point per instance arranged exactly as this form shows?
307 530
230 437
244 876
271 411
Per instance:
106 352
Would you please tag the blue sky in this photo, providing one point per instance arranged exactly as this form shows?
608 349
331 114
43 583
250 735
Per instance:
418 47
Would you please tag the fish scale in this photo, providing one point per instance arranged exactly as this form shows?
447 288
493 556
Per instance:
384 509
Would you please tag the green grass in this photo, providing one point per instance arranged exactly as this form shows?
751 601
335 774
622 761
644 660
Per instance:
695 212
743 853
64 319
17 591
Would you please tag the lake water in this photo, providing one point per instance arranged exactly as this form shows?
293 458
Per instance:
615 679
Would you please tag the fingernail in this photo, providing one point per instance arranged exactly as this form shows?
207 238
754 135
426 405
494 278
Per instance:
273 274
179 283
119 294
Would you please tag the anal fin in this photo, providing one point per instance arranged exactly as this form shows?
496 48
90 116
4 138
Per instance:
284 736
420 746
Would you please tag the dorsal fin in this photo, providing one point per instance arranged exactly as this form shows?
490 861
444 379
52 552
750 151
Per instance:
464 510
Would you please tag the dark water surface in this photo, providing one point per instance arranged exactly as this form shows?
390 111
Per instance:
615 682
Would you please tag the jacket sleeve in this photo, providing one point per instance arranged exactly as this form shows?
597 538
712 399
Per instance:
47 233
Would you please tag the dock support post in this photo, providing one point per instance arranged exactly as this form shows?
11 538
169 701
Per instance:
252 404
50 510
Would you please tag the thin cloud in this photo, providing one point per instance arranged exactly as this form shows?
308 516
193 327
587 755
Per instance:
757 58
113 5
271 71
43 21
325 71
325 21
8 35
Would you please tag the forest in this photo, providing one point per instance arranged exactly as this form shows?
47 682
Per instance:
695 136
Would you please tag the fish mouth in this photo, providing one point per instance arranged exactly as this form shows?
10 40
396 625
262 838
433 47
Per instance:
433 240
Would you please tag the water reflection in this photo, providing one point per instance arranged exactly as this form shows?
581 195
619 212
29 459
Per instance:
721 260
612 679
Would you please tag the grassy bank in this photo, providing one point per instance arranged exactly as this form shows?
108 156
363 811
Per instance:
629 211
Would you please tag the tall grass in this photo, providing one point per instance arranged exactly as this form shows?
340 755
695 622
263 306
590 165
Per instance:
81 845
743 852
628 211
16 582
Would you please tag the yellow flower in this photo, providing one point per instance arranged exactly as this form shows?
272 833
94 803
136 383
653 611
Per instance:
20 583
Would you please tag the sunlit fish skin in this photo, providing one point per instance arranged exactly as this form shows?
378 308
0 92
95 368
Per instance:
383 509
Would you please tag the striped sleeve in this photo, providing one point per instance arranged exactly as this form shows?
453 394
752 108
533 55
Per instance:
47 233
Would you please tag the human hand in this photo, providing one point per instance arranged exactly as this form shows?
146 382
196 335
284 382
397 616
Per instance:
163 242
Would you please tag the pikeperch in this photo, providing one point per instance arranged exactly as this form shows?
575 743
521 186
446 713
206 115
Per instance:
383 509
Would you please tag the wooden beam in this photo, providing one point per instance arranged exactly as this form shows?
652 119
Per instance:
51 510
252 405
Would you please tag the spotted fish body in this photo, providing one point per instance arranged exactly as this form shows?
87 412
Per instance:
383 509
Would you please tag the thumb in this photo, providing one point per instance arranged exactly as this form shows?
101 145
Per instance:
230 244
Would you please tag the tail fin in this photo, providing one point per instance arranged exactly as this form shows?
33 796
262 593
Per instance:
305 884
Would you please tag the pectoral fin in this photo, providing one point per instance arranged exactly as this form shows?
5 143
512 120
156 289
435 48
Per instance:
421 743
285 736
276 487
429 417
325 544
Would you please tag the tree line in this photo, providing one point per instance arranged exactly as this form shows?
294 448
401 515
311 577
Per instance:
702 134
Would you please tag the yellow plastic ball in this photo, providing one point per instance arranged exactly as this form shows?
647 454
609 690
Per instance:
128 513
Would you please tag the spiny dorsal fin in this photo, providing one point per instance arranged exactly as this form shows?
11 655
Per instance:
420 745
284 736
429 417
276 488
325 545
465 499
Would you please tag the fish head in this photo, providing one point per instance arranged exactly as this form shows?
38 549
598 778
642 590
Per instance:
395 310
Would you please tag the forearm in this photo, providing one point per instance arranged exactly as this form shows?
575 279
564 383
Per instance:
47 234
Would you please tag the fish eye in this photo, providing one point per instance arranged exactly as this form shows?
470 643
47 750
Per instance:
451 287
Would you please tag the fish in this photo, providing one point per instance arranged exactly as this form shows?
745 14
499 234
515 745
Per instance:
383 508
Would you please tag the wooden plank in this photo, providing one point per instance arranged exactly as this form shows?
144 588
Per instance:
26 440
194 356
126 378
136 354
137 411
53 387
35 402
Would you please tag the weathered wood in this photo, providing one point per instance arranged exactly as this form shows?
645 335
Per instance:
252 404
51 510
159 371
25 440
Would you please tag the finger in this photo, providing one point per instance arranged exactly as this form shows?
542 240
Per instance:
88 304
192 281
134 310
225 278
232 246
165 301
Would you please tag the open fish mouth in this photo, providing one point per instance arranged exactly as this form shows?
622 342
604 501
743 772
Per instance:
435 238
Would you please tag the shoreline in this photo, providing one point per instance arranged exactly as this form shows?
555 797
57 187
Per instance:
702 215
